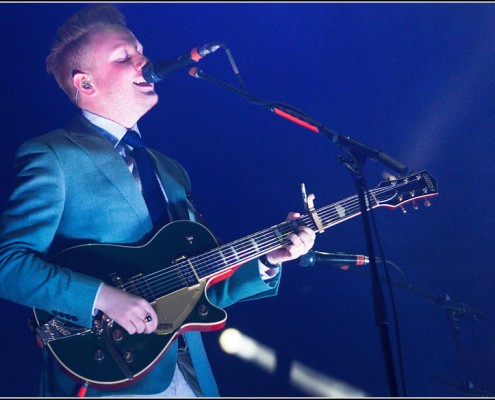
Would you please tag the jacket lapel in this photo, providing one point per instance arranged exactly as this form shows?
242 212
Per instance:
110 163
173 188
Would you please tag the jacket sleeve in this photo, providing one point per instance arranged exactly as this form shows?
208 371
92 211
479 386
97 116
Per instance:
243 285
28 226
246 282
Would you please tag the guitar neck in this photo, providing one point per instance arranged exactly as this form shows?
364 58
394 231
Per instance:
391 194
243 250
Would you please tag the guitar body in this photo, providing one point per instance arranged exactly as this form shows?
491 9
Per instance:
106 356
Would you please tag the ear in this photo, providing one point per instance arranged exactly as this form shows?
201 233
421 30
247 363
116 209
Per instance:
82 82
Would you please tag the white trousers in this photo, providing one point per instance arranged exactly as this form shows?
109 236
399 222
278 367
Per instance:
177 388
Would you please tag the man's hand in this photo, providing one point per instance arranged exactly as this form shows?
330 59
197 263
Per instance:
127 310
301 243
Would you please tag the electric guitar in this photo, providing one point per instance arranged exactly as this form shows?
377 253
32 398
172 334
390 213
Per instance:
172 271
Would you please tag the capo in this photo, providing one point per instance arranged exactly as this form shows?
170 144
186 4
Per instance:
310 208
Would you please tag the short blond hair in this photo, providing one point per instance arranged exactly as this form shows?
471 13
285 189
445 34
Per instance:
69 51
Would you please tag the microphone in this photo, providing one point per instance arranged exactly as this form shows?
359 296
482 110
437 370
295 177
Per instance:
341 260
155 72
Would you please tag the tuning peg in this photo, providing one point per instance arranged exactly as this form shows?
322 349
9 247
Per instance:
427 203
415 205
404 211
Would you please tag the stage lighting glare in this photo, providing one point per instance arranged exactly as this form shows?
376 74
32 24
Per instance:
234 342
317 384
301 376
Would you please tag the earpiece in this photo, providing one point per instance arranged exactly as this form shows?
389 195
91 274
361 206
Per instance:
86 85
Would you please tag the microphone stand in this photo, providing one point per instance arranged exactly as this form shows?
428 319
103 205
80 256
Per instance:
358 153
355 164
454 310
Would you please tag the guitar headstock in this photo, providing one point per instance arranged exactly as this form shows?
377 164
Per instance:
397 192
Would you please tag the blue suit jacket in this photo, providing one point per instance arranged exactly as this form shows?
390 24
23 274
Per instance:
72 187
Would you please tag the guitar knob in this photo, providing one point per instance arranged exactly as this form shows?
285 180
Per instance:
98 354
203 310
117 335
128 357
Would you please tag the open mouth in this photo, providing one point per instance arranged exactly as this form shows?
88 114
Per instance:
142 83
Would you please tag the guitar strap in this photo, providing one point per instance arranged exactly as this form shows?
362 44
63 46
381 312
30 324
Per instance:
187 210
198 217
192 210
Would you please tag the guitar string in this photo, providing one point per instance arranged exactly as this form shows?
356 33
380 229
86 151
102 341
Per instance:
239 259
160 285
239 250
241 255
245 251
254 253
161 280
251 252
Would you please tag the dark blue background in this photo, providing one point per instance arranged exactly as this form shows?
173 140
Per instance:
412 79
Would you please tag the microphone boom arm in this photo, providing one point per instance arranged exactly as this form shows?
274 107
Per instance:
294 115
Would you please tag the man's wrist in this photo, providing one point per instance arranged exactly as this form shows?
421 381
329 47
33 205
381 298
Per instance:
265 262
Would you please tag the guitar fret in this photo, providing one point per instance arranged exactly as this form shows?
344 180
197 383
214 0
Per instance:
234 252
287 228
229 254
266 240
340 211
246 249
224 259
278 235
255 245
308 221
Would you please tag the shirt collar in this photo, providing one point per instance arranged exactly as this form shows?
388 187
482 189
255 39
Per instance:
111 130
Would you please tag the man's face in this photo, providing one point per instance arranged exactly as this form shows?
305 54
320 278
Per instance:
121 94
